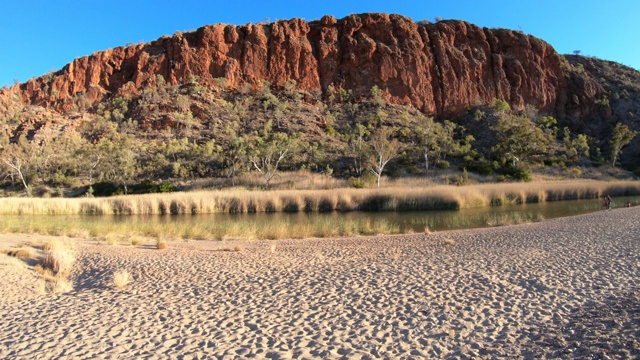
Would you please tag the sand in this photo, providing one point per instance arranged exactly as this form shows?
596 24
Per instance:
563 288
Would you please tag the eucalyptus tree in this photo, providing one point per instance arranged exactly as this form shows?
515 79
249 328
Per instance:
267 153
383 149
620 137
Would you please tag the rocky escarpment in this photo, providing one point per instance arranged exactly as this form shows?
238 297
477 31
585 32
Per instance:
442 68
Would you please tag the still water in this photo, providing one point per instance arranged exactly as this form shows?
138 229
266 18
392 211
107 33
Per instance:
410 221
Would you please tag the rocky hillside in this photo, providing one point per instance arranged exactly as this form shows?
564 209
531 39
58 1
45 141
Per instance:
326 83
443 68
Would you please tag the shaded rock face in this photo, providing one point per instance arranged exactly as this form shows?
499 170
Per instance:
441 68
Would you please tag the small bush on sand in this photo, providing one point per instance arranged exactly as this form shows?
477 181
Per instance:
135 240
162 244
121 278
238 248
59 257
111 240
22 253
59 285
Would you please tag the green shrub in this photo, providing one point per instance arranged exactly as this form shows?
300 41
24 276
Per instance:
149 186
442 164
165 187
107 188
366 180
518 173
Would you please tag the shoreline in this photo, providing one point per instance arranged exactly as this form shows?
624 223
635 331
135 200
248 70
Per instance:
560 288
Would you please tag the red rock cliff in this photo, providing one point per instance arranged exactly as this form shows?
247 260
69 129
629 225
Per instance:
441 68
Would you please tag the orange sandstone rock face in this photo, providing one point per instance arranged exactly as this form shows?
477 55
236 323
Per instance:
441 68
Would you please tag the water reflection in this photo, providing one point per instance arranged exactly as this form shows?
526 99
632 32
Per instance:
410 221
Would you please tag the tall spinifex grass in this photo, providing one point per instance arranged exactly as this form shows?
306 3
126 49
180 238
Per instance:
386 199
105 228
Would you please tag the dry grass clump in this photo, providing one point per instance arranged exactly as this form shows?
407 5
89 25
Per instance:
135 240
59 257
56 265
427 231
395 254
237 248
121 278
110 239
59 285
449 241
23 253
162 244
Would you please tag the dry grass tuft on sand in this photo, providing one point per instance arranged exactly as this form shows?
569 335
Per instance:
162 244
449 242
57 264
59 257
121 278
23 253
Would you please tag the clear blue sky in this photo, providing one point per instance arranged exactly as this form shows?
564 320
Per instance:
43 35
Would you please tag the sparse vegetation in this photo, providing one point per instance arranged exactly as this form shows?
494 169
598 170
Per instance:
121 278
59 257
206 129
161 244
449 241
402 197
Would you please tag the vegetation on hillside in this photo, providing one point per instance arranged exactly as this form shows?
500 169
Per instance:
190 131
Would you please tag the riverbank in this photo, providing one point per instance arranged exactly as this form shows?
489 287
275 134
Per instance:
416 198
563 288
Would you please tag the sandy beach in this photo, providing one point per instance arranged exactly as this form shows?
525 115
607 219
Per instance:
564 288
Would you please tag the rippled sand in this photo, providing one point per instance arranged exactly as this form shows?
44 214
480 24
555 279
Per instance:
565 288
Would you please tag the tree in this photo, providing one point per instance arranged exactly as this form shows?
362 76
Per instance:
518 139
377 97
267 153
426 139
383 149
436 140
356 145
621 136
18 157
119 158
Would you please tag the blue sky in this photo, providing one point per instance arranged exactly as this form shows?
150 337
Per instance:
44 35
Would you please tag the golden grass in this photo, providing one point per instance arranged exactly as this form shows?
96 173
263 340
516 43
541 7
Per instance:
135 240
420 197
399 198
56 265
59 257
162 244
22 253
59 285
121 278
449 242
